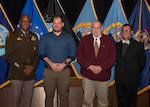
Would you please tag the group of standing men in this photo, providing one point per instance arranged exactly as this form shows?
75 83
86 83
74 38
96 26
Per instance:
96 53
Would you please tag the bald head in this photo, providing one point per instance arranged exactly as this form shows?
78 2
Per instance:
25 22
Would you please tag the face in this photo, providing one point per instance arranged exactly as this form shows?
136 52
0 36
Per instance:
24 23
97 29
57 24
126 32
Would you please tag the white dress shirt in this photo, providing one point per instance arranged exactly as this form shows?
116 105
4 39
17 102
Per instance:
97 39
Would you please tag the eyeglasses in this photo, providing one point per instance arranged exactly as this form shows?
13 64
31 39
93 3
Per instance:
96 27
127 31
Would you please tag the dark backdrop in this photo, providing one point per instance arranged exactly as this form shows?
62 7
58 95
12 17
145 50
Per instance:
72 8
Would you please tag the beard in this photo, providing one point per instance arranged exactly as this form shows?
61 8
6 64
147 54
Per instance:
57 30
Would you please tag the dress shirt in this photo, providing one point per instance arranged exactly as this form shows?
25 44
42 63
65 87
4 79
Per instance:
57 48
126 41
97 39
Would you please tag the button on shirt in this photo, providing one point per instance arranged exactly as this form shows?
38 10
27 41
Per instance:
57 48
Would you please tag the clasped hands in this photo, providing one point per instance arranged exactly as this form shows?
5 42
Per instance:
57 67
95 69
28 69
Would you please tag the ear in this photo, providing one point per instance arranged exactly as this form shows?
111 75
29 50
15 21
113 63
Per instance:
132 32
63 24
102 28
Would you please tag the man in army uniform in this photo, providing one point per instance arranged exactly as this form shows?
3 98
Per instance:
22 55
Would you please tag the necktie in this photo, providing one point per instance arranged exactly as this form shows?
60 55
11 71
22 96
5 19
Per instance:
27 36
96 48
124 48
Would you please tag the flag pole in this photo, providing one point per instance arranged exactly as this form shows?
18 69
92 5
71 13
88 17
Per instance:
140 19
61 7
64 14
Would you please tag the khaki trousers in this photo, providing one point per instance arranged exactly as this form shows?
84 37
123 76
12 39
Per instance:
92 88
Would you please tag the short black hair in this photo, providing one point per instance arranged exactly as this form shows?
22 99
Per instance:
127 25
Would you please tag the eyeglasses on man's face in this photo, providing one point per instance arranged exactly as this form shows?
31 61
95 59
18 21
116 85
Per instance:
126 31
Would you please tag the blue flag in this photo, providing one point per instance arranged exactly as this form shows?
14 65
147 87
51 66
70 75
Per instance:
5 27
85 19
114 20
39 27
140 20
82 27
112 25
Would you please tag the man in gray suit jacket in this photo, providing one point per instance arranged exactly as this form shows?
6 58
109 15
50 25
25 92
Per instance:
129 62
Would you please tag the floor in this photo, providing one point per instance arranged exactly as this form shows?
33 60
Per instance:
75 97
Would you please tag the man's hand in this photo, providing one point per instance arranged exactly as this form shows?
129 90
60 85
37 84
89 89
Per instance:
60 67
57 67
28 69
95 69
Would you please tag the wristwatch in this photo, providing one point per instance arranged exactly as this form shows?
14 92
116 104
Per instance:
65 62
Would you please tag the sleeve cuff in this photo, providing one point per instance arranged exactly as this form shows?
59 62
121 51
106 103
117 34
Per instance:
71 57
43 56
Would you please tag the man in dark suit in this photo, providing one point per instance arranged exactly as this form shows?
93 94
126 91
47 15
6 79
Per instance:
129 62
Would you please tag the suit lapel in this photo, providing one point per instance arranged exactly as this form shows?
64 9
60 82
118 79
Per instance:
130 48
120 49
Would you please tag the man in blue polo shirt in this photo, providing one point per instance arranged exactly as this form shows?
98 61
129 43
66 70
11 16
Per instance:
57 49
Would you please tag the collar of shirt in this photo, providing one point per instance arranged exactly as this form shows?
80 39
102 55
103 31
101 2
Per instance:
24 32
97 39
125 41
57 34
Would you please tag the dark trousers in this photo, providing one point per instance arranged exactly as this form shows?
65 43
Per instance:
126 94
61 82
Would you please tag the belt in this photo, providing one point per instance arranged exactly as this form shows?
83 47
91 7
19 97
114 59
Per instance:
47 67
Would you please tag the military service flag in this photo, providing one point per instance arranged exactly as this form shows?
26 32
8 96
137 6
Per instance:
85 19
54 8
5 27
112 26
114 20
140 19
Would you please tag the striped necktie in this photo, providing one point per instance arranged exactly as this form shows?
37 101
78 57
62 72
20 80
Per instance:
96 48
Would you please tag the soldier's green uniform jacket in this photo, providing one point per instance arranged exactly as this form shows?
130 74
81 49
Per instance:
21 51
